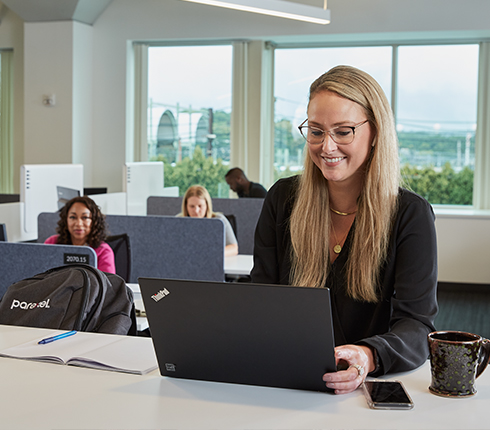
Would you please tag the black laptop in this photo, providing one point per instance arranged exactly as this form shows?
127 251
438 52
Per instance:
269 335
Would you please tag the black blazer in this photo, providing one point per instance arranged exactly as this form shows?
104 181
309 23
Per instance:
396 326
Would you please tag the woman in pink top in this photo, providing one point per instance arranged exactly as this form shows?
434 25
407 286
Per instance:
82 223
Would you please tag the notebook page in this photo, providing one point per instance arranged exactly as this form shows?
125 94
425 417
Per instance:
128 354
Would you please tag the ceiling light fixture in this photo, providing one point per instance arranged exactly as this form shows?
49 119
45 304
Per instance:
279 8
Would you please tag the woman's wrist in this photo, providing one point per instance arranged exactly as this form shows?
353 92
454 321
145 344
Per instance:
371 356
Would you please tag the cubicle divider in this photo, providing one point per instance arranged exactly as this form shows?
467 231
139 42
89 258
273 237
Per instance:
23 260
245 210
162 246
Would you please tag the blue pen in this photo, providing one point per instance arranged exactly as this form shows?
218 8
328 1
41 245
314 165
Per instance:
59 336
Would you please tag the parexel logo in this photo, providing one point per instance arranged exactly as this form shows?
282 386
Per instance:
27 306
160 295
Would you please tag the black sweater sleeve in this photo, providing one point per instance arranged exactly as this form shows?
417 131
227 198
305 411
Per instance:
409 285
272 238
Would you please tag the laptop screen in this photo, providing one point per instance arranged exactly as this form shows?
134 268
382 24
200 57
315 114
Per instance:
269 335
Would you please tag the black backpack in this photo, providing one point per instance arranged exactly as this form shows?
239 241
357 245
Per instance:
72 297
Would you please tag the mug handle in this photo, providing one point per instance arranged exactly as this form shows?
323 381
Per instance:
485 357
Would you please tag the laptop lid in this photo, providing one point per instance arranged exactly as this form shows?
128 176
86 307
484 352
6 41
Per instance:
245 333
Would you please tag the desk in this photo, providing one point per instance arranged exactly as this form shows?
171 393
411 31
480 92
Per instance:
141 322
46 396
240 264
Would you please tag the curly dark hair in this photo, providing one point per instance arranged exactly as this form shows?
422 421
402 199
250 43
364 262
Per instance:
98 230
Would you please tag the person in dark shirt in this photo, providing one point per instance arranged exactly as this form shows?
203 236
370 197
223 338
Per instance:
239 183
346 224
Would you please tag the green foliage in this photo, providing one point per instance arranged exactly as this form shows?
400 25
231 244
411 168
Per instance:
445 187
196 171
286 173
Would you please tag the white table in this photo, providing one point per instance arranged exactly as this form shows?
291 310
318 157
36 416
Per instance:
141 322
240 264
47 396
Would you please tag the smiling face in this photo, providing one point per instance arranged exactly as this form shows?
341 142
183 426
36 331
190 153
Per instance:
339 163
196 207
79 223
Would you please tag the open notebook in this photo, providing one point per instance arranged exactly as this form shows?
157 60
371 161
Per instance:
126 354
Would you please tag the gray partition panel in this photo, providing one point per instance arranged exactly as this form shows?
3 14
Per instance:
164 246
22 260
46 225
246 211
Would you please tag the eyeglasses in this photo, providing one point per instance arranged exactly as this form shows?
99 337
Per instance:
343 135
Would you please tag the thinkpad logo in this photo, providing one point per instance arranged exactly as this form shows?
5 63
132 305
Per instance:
160 295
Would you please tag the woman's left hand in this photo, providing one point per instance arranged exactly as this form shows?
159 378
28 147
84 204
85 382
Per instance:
360 362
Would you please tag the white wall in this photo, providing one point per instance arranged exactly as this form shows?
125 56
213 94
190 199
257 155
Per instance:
48 130
463 243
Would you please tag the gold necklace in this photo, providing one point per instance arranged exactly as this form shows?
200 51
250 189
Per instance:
337 248
342 213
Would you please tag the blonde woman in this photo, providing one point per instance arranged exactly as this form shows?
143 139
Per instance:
197 204
345 224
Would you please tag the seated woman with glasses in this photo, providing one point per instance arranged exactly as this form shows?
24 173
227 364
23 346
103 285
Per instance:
82 223
346 224
197 203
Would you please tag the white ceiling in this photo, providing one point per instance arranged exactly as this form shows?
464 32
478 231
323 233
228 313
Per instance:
86 11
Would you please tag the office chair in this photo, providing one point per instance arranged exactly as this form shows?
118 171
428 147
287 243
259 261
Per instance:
232 220
121 246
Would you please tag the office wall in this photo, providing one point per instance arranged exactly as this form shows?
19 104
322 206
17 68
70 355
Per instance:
61 133
464 248
48 130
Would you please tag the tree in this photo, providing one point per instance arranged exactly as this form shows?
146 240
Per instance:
197 170
444 187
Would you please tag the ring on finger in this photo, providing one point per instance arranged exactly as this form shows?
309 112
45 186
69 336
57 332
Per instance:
359 368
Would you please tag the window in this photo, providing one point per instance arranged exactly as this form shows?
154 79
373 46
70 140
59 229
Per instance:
436 120
189 107
6 122
295 70
436 93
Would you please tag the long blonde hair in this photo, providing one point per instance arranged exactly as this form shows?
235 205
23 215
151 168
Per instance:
377 203
202 193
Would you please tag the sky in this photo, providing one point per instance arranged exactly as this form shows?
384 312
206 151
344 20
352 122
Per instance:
437 84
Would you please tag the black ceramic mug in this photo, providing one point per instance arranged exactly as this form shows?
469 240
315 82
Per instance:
457 358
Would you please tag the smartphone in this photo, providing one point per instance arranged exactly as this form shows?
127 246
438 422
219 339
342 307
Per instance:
382 394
